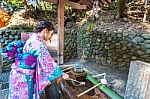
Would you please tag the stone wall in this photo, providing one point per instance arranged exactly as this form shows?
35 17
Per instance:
114 48
70 44
84 44
106 47
7 36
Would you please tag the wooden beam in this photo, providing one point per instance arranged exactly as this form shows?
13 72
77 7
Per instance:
69 3
75 5
109 1
61 5
103 1
52 1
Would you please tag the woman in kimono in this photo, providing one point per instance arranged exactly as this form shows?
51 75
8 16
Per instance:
34 68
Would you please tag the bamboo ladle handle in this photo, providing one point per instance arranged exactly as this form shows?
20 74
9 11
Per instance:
89 89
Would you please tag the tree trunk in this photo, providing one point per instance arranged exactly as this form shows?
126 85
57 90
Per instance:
120 8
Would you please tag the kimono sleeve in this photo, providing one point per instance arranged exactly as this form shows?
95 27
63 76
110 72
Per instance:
47 65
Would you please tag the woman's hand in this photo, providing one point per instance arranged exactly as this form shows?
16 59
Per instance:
65 76
58 80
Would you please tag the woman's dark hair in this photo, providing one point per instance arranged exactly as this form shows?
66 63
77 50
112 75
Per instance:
44 24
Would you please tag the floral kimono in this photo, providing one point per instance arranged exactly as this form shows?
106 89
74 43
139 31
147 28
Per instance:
33 69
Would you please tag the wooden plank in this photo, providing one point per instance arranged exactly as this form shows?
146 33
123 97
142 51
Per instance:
61 5
69 3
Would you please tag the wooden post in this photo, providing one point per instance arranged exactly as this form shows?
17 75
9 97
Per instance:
120 8
61 4
146 11
1 61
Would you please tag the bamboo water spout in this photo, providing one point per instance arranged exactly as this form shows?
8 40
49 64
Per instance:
104 88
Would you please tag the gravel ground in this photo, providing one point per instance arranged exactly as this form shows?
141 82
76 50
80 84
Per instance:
116 79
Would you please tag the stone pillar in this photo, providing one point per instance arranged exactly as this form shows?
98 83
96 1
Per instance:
138 84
